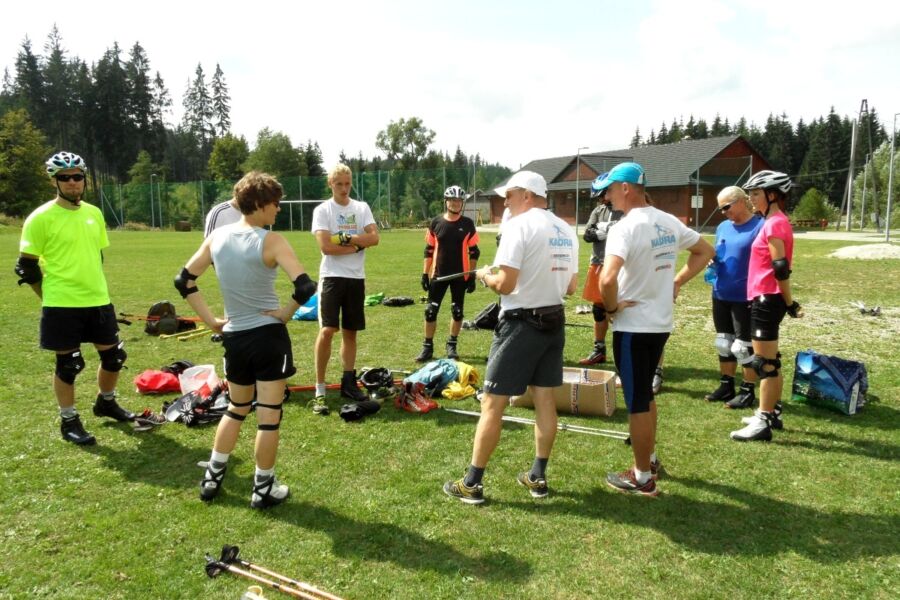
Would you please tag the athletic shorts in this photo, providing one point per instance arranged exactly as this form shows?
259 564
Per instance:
636 356
341 303
732 318
67 328
521 355
766 314
258 354
438 290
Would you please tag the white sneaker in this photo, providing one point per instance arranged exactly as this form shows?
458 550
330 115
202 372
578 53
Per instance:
756 430
657 380
269 493
777 423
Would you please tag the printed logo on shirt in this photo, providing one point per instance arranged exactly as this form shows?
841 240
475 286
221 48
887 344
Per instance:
664 237
347 223
560 241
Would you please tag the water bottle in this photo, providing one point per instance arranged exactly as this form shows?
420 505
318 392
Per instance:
709 276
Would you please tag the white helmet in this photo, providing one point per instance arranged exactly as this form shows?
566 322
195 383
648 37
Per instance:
454 192
62 161
769 180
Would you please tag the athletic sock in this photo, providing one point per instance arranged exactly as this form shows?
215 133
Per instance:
218 460
320 389
748 386
350 375
68 412
653 457
642 476
452 340
264 474
428 342
473 476
108 396
601 346
538 469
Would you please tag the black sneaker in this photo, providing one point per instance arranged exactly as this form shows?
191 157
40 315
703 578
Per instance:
73 431
111 409
626 482
351 391
744 399
470 495
537 488
426 354
268 493
211 483
724 392
452 354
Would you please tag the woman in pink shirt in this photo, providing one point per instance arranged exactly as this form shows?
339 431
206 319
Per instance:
769 292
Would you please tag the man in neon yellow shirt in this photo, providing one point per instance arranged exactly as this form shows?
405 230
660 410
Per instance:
60 258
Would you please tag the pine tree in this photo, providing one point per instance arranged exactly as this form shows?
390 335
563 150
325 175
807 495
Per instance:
663 136
115 131
718 127
140 97
29 86
636 140
57 91
221 103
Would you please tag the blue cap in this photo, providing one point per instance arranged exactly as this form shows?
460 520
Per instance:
628 172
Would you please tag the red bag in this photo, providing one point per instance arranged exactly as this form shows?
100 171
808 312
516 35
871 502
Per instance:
591 291
157 382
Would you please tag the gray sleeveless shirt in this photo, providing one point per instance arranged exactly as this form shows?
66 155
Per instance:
247 284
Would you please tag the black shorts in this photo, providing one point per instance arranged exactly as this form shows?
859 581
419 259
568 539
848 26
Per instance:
521 355
732 318
258 354
636 356
766 314
341 303
438 289
68 328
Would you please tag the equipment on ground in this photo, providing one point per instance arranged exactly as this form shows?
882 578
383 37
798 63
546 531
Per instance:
455 275
231 556
194 334
162 319
186 333
616 435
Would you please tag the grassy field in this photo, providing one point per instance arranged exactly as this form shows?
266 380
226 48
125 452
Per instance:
812 514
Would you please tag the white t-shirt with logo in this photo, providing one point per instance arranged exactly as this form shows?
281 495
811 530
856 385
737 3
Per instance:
544 249
648 240
352 219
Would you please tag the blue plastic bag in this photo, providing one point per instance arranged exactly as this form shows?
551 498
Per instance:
830 382
309 311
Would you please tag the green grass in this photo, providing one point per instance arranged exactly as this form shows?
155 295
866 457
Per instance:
812 514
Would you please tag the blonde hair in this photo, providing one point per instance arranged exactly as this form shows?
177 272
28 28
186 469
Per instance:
733 194
338 169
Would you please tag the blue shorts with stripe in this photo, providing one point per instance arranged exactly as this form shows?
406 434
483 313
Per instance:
636 356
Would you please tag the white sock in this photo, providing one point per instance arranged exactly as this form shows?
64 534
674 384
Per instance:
68 412
264 474
653 457
641 476
217 460
108 396
320 389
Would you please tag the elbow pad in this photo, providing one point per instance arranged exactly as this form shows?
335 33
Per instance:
429 251
474 252
28 270
181 281
304 288
781 268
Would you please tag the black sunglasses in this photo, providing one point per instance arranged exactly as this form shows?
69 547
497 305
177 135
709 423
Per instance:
75 177
726 208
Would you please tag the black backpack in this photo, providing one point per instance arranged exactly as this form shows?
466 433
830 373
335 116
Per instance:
162 319
486 319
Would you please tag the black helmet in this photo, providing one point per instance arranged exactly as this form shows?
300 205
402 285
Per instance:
373 379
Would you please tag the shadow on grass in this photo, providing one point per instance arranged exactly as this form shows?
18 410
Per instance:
830 442
154 458
749 524
365 540
874 414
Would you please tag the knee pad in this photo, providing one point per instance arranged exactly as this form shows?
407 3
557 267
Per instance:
743 351
758 363
431 312
69 365
599 313
456 312
270 426
113 359
724 342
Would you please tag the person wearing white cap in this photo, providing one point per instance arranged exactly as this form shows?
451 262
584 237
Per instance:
639 286
536 267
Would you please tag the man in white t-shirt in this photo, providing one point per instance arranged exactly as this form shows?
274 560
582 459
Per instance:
639 287
344 228
220 215
537 266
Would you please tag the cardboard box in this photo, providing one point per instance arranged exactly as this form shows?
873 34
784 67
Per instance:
583 392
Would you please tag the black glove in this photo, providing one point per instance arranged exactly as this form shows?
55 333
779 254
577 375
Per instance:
426 284
470 284
590 234
794 309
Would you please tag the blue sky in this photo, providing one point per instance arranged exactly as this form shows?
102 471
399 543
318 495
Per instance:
511 80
